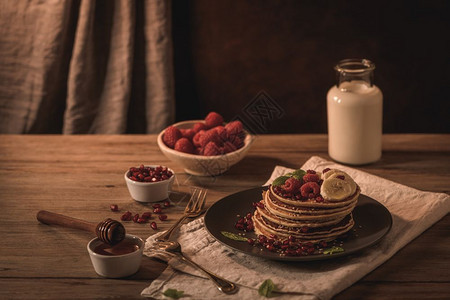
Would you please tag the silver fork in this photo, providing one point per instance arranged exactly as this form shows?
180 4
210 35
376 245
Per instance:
194 208
222 284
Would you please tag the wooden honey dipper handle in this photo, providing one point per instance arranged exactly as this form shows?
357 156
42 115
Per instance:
109 231
51 218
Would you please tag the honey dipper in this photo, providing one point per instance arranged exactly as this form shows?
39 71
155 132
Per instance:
108 231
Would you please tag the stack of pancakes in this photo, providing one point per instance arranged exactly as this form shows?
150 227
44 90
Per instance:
310 220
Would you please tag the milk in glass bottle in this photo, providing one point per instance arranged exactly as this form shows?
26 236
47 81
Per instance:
355 113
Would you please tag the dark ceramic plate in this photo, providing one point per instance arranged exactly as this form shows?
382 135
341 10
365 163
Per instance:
372 222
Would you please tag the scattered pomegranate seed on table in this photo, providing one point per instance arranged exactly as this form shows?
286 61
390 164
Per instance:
114 207
135 218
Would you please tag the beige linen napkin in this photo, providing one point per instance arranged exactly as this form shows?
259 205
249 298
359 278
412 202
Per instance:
412 211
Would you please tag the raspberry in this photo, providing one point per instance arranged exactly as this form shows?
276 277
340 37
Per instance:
213 119
234 127
309 177
199 126
237 141
222 132
310 190
211 149
228 147
198 151
292 185
210 136
171 136
188 133
184 145
196 138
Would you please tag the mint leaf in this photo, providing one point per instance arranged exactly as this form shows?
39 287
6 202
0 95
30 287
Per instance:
173 293
266 288
280 180
233 236
333 249
297 174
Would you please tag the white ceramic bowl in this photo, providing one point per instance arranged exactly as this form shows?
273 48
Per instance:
204 165
149 191
116 266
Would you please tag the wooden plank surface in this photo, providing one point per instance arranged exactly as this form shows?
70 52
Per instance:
82 175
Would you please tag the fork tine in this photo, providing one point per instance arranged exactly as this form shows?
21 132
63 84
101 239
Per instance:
191 203
201 202
193 200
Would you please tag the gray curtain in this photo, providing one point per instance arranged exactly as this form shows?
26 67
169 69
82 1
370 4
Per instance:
85 66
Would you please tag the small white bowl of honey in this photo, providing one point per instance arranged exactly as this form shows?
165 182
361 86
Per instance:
117 261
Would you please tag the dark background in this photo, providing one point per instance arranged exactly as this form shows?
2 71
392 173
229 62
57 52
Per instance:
226 52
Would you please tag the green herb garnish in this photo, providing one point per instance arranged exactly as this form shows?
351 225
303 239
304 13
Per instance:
173 293
297 174
333 249
280 180
233 236
266 288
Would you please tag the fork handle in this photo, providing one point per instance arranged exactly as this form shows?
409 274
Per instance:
222 284
166 236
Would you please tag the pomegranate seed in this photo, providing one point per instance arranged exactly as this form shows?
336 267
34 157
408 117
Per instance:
326 170
250 227
157 210
162 217
141 220
310 250
241 221
262 239
250 241
260 204
249 216
126 216
167 203
153 225
114 207
146 215
341 177
135 218
156 205
270 247
239 226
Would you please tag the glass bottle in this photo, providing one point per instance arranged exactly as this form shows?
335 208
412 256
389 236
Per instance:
355 114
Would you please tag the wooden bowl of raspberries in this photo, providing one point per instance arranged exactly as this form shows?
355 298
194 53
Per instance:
206 147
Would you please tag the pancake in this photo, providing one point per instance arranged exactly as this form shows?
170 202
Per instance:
311 216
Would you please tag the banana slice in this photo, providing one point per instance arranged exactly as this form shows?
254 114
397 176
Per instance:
336 189
334 173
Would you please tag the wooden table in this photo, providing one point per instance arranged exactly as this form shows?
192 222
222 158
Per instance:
82 175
